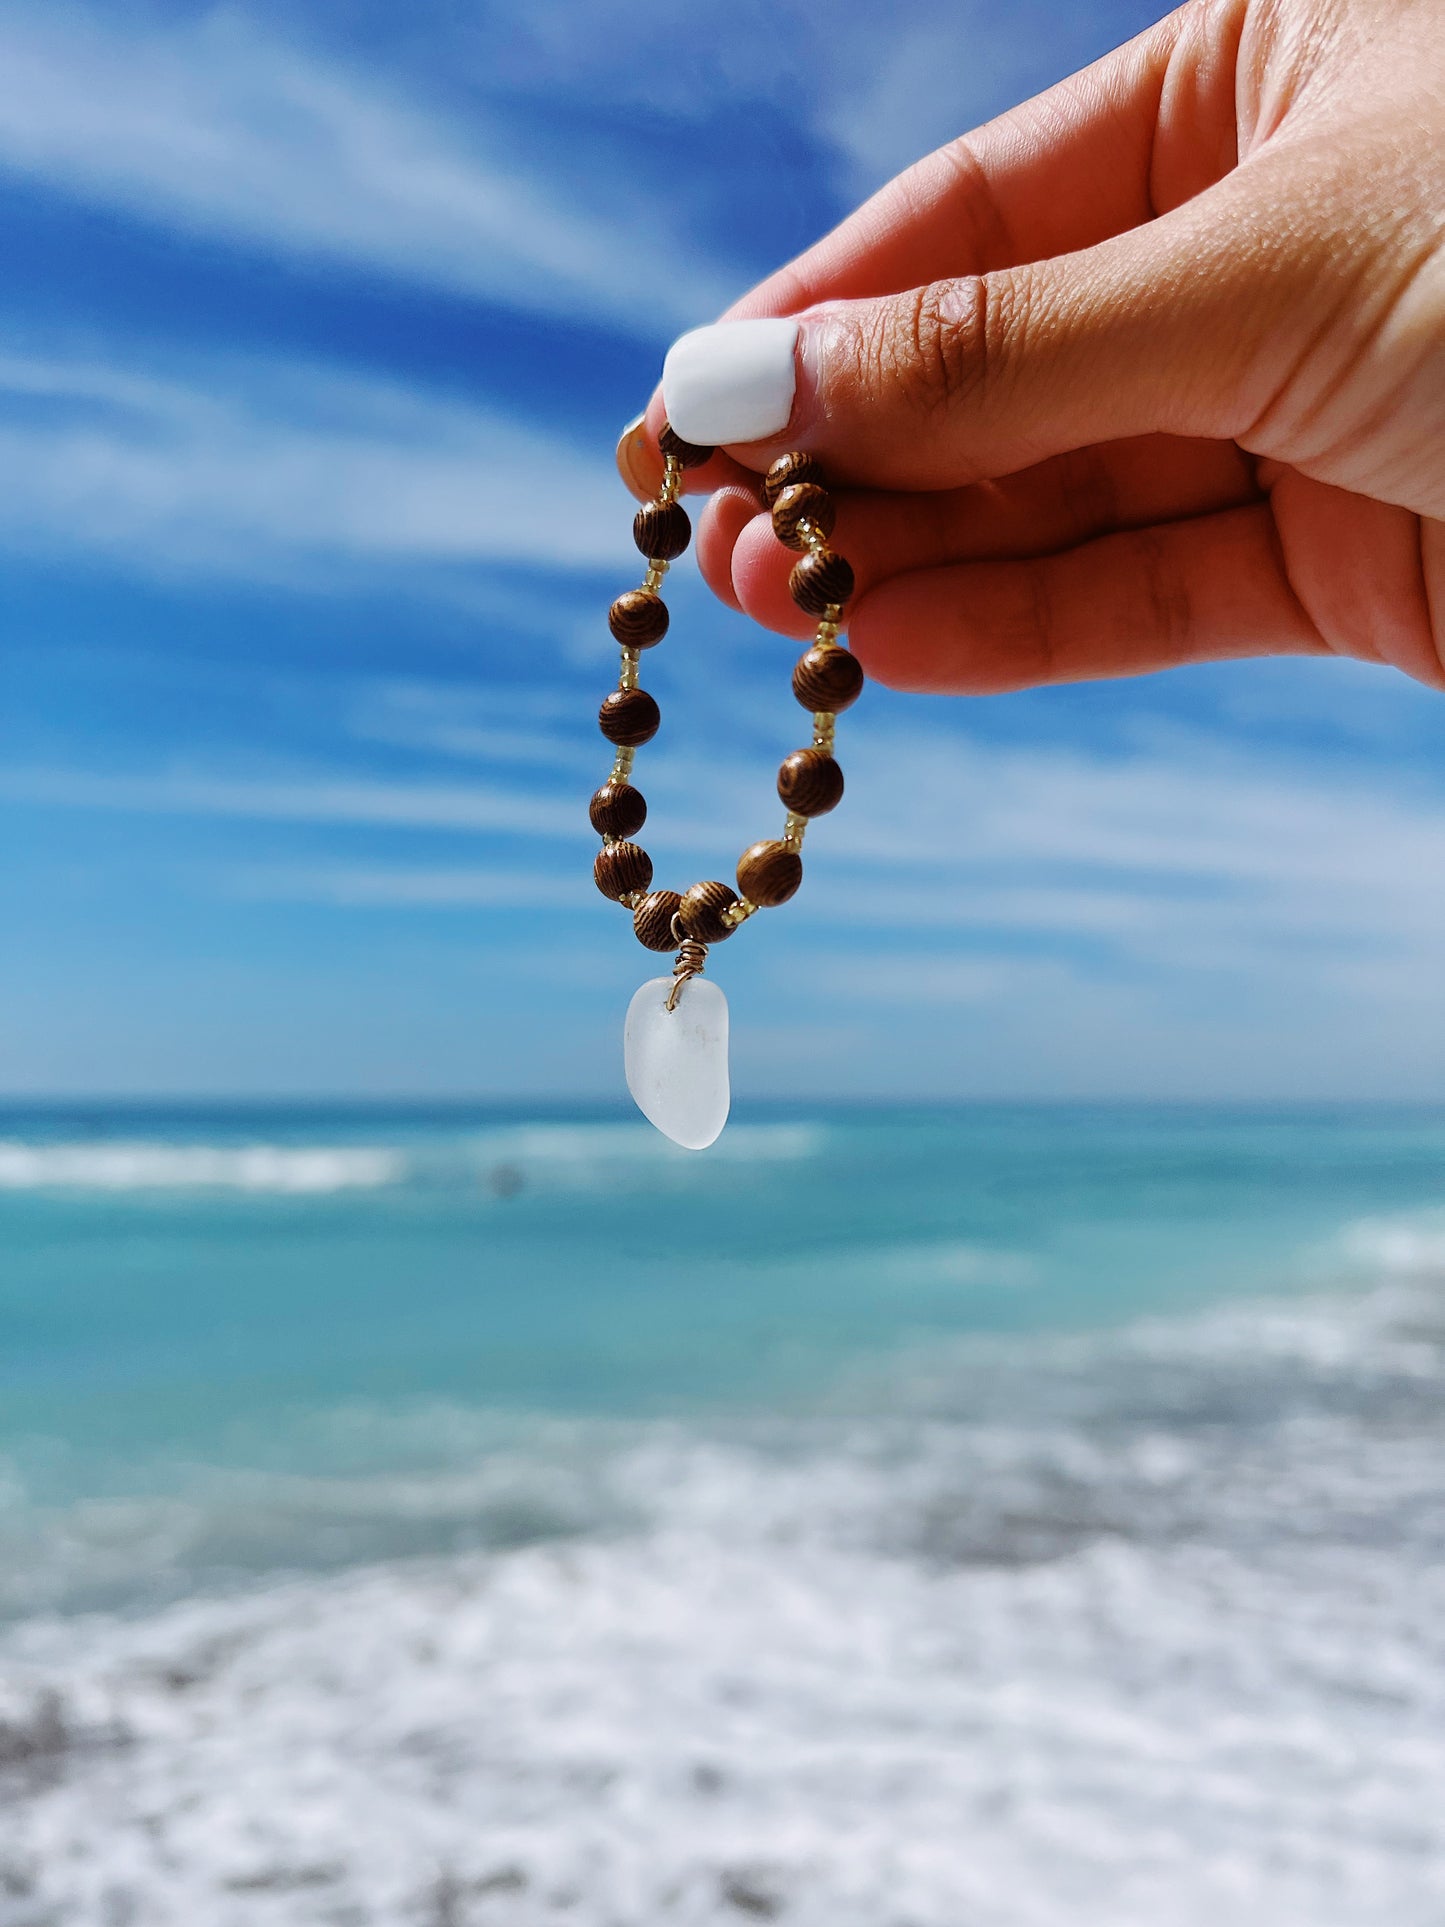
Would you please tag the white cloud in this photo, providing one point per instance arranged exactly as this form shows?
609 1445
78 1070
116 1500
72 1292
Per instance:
339 800
468 724
1198 861
414 889
218 127
977 918
284 471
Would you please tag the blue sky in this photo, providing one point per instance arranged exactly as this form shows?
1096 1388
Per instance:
317 327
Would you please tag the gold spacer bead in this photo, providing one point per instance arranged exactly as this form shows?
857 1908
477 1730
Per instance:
794 829
652 581
627 674
671 481
622 768
740 912
825 728
632 899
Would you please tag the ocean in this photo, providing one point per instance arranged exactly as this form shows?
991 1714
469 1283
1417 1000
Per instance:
987 1517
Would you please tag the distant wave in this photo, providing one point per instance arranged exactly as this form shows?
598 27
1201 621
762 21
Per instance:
136 1165
548 1156
1409 1246
631 1140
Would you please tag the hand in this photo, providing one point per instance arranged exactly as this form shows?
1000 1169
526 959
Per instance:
1165 380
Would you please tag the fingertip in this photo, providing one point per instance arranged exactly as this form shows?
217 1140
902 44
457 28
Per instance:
719 527
760 570
639 461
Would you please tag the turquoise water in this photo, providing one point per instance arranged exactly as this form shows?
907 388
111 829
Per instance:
169 1275
482 1514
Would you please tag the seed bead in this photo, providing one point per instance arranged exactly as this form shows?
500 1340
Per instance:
819 581
803 502
652 919
810 782
661 530
769 873
638 619
787 471
703 911
827 678
685 454
617 809
629 717
622 868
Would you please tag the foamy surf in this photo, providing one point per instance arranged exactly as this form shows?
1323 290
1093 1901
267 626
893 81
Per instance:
1140 1628
137 1165
485 1545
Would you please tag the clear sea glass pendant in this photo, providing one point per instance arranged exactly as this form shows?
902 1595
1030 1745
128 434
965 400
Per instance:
677 1060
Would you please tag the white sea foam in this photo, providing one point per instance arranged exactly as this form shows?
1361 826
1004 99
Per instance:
575 1157
589 1157
1146 1630
141 1165
1410 1245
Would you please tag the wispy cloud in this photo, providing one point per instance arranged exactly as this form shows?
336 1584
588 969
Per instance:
399 888
532 728
340 800
218 126
1201 860
283 471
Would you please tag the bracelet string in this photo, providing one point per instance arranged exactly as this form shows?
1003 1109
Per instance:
827 679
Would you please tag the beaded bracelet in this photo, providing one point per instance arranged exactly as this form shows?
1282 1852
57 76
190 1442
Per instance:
676 1034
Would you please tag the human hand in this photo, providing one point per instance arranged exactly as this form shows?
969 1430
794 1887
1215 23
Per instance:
1165 380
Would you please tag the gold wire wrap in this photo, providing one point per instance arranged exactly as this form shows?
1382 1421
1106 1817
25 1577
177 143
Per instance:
691 960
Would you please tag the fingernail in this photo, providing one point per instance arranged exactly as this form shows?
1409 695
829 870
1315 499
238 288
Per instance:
638 462
732 382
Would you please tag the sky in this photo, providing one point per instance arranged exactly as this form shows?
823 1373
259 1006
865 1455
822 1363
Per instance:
318 324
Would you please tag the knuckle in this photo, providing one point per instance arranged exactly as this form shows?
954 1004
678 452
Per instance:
934 348
1167 608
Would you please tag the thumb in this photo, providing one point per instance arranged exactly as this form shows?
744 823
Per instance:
1188 325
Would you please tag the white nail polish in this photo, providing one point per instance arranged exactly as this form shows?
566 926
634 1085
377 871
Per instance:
732 382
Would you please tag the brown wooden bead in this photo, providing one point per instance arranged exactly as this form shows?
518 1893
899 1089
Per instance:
805 501
828 679
661 530
628 717
701 911
638 619
622 868
617 809
686 454
819 580
810 782
652 919
769 873
789 470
